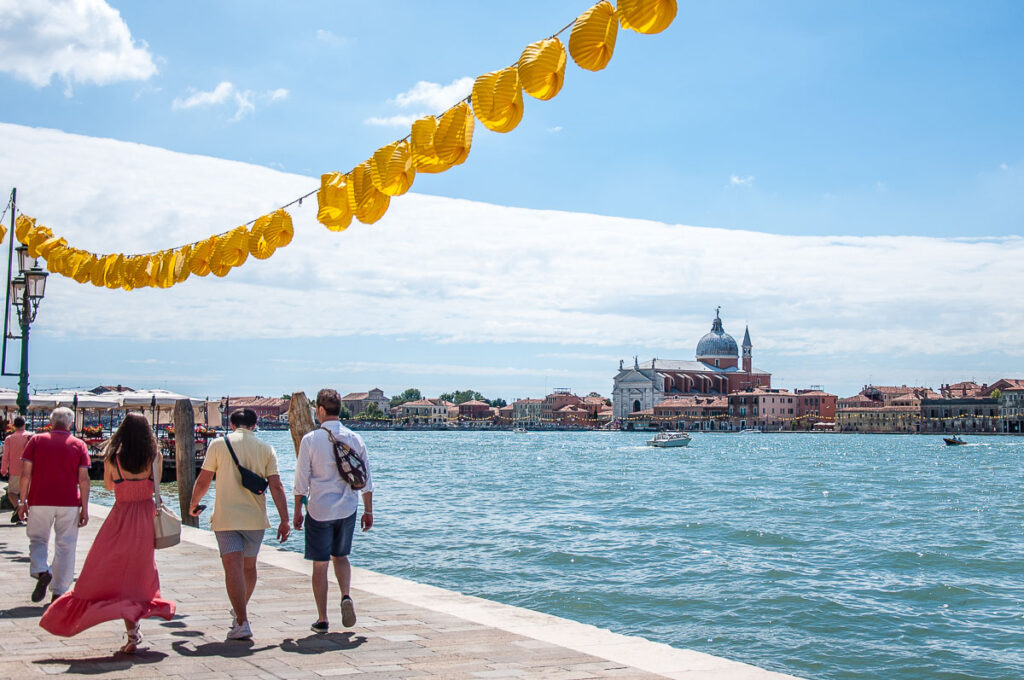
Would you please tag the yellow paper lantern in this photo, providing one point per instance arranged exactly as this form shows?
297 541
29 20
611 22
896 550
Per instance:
232 248
498 99
115 273
35 238
421 144
83 271
454 135
646 16
391 169
165 272
98 277
199 263
22 226
332 200
279 231
181 268
367 203
3 233
592 40
542 68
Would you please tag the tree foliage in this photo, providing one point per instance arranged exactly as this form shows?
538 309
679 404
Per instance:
462 396
372 412
411 394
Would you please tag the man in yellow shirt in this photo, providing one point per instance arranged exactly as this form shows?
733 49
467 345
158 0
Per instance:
239 515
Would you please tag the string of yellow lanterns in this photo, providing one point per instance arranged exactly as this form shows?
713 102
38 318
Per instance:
435 144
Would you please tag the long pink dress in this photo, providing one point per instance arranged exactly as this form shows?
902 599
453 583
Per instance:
118 579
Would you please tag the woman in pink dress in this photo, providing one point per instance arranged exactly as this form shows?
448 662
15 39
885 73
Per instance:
119 579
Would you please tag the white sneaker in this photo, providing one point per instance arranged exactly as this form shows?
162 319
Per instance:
240 631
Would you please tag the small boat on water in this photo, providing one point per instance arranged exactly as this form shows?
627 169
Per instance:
750 430
953 441
521 430
670 439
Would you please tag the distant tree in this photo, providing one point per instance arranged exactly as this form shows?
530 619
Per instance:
997 394
286 396
372 412
462 396
497 403
593 394
411 394
345 414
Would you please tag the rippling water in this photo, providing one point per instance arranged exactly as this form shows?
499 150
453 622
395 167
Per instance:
824 556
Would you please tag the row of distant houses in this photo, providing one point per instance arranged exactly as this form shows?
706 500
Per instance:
558 409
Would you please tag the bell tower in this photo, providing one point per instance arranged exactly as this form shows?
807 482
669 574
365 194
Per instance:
747 352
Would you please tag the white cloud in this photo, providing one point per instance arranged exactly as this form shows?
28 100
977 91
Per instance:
431 98
737 181
458 271
79 41
557 128
393 121
1004 166
244 100
329 38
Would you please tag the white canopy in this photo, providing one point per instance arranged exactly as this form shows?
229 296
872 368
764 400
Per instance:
9 399
144 398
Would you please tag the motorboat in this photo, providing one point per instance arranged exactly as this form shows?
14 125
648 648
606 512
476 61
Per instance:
954 441
521 430
670 439
750 430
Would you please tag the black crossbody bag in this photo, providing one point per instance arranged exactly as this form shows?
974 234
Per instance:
250 480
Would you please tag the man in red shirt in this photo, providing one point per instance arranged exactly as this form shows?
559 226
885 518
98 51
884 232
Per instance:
54 494
14 446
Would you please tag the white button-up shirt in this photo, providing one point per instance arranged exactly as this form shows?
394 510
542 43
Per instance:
328 496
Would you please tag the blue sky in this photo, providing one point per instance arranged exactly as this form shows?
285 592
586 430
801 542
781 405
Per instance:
788 118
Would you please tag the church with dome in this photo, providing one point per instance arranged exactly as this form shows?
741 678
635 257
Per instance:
717 371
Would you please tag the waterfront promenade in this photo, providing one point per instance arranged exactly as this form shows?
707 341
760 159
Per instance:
405 630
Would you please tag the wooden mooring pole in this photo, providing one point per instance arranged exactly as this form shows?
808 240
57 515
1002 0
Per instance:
300 419
185 457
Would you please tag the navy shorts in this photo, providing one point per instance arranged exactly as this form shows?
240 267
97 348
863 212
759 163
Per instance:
332 538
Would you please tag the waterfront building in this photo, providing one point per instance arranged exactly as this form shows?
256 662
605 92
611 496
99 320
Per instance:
879 419
527 412
960 414
693 413
816 405
356 402
557 400
716 370
573 415
967 388
873 396
506 414
1011 410
271 408
423 412
475 410
764 409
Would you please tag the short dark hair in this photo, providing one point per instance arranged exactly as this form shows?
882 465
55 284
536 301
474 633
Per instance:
133 444
329 400
19 421
244 417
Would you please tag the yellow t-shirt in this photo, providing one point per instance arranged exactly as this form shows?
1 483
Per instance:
235 507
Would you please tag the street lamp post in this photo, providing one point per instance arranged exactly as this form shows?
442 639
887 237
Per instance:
25 290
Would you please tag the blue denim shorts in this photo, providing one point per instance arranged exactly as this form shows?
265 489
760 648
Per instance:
247 542
332 538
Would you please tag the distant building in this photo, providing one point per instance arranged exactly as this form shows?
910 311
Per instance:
716 371
960 414
556 401
265 407
693 413
764 409
1011 410
878 419
527 412
506 414
816 406
424 412
356 402
100 389
475 410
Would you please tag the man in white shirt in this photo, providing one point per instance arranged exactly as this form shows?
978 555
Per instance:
331 506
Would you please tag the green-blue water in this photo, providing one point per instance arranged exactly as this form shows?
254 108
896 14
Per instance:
824 556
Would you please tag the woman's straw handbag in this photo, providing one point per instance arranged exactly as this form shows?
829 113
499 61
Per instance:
166 525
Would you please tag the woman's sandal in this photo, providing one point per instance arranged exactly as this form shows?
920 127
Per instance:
134 637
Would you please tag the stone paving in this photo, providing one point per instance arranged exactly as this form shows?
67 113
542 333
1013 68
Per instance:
405 630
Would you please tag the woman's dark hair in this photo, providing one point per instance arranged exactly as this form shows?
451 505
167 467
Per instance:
133 445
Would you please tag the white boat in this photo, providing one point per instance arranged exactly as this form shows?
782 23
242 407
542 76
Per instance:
669 439
750 430
519 429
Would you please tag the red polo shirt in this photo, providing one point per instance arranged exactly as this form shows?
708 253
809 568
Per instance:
56 458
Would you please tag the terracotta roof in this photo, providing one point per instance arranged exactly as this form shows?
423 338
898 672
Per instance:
258 401
353 396
528 401
420 402
474 402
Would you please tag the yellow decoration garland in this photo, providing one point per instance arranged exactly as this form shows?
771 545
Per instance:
498 99
391 169
592 40
542 68
646 16
367 203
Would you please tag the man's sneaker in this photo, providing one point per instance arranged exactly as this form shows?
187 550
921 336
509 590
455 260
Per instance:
320 627
42 581
348 612
240 631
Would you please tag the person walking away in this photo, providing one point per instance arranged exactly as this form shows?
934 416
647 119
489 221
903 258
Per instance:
14 446
240 516
331 506
119 579
54 495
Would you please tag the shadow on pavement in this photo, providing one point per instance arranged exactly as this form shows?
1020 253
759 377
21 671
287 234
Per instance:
318 644
231 649
24 612
106 664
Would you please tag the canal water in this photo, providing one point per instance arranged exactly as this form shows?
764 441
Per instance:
825 556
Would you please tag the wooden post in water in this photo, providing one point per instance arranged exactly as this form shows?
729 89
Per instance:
300 420
185 457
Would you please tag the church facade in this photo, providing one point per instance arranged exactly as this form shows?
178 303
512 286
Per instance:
717 370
